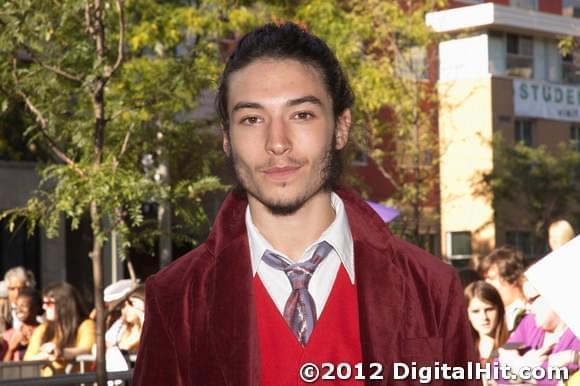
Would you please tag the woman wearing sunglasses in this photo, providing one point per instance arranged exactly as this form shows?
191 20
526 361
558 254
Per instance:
66 333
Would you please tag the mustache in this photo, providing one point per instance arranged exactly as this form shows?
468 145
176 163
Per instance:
286 161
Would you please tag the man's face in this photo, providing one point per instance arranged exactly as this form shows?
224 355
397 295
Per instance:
24 309
282 132
15 285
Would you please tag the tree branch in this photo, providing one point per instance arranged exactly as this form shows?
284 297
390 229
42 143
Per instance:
43 124
57 70
126 141
120 50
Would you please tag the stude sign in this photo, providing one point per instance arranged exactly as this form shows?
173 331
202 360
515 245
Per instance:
546 100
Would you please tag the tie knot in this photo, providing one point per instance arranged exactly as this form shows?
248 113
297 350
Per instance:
299 274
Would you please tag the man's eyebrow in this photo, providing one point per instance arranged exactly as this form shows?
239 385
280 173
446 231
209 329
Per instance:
247 105
292 102
305 99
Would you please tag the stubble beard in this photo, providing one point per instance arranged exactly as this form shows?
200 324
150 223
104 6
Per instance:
327 180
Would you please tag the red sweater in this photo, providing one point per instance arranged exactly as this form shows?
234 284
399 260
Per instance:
335 339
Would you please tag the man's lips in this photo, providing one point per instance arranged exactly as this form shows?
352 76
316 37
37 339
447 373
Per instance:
281 172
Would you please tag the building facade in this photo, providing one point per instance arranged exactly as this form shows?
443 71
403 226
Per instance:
500 71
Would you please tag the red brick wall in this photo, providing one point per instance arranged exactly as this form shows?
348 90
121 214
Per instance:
551 6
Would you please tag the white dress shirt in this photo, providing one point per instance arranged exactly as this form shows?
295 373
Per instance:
276 282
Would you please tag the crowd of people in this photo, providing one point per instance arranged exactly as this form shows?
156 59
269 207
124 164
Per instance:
55 326
513 322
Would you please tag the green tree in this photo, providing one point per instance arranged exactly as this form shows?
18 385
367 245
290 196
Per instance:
542 184
106 82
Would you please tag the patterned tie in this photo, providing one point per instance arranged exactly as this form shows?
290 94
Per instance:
300 309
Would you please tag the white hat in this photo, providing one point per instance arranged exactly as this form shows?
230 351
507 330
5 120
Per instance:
556 277
117 290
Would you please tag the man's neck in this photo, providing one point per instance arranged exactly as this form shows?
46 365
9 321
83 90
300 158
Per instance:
292 234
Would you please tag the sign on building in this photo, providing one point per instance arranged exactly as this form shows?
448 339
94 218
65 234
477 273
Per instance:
538 99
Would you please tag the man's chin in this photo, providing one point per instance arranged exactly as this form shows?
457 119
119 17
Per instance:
284 207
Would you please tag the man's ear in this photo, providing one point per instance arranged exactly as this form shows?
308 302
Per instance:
343 128
226 145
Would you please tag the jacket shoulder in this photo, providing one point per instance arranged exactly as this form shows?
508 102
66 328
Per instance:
413 259
183 272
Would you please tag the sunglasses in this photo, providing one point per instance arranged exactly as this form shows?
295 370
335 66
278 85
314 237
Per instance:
131 303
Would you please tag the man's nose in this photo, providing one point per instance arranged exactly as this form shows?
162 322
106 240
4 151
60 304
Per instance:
278 141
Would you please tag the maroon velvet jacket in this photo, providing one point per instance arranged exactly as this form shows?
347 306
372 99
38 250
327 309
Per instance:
200 322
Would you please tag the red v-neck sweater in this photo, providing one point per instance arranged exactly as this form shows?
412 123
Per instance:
335 339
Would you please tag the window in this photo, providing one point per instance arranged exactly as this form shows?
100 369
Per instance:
521 240
525 4
571 67
519 56
571 8
524 132
575 136
459 244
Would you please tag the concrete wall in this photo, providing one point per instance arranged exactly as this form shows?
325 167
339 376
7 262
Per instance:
466 127
17 182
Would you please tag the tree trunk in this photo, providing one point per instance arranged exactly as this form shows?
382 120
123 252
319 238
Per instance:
98 282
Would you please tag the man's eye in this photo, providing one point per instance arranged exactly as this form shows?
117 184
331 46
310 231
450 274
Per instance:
251 120
304 115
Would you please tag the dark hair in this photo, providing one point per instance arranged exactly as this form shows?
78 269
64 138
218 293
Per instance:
510 263
286 41
488 294
69 314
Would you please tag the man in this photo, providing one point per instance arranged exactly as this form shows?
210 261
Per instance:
503 268
17 279
295 269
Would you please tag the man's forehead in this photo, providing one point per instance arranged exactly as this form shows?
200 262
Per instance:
15 280
276 81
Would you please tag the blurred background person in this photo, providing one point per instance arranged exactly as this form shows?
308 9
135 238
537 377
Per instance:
125 333
559 233
485 311
503 268
553 297
124 336
4 308
17 279
67 331
551 343
4 316
28 307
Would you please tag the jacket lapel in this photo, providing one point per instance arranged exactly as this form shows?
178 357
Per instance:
232 310
381 297
380 284
232 317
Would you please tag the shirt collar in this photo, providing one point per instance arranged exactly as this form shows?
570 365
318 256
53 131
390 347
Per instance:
338 235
